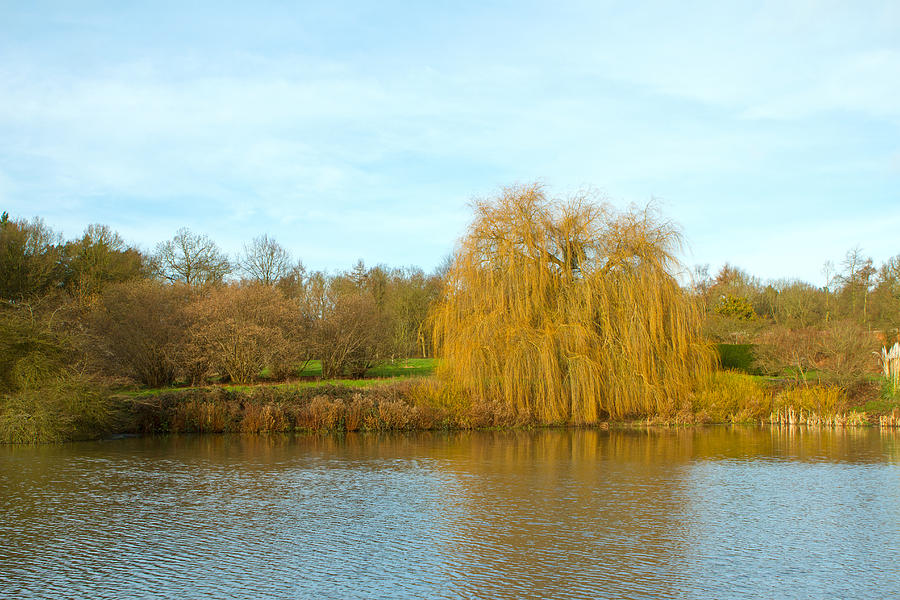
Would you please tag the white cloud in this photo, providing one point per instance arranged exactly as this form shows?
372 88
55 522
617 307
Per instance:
362 148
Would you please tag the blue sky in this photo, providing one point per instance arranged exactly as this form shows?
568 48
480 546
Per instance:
769 131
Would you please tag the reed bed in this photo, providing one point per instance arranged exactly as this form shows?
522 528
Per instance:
891 420
403 406
792 416
724 397
817 399
425 404
815 405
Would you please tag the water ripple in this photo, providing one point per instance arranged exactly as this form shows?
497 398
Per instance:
565 514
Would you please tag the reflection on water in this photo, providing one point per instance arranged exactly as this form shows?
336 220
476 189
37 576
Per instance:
715 512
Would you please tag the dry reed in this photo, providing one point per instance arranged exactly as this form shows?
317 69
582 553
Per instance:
815 405
891 420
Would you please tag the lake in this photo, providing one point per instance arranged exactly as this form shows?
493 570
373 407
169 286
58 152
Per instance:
715 512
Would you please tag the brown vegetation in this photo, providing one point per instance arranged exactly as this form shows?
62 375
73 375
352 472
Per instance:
138 330
413 405
240 330
351 336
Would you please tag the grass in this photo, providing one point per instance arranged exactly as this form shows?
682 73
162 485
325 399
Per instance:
887 403
406 367
310 377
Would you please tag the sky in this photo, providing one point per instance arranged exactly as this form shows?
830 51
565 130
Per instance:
769 131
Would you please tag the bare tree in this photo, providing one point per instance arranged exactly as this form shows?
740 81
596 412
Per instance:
857 279
265 261
239 330
352 336
139 330
828 271
191 258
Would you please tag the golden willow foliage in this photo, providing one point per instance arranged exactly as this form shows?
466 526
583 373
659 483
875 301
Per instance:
568 311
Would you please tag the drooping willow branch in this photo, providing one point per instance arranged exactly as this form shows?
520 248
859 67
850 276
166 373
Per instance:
569 311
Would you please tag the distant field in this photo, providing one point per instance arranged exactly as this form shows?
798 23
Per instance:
407 367
311 377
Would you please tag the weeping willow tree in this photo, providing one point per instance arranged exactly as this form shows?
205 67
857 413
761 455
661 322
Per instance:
569 311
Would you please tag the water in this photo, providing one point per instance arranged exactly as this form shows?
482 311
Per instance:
713 512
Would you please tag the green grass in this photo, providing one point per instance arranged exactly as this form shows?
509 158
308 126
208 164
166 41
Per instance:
379 375
406 367
312 369
881 406
888 401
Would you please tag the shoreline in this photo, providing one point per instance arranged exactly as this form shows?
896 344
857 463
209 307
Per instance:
422 404
406 405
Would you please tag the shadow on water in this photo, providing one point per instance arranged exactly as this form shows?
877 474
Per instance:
718 511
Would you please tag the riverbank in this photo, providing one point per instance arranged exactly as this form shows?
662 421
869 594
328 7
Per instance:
413 403
423 404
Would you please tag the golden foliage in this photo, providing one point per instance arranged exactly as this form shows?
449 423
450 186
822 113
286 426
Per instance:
566 311
818 399
730 397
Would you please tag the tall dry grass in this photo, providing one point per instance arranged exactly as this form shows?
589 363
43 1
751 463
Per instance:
566 312
730 397
407 406
815 405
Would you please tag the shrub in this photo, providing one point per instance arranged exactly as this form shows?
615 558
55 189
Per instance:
735 307
781 350
736 357
68 408
352 336
841 353
846 353
139 331
239 330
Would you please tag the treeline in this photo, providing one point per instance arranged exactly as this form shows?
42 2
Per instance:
857 290
95 311
798 328
553 313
